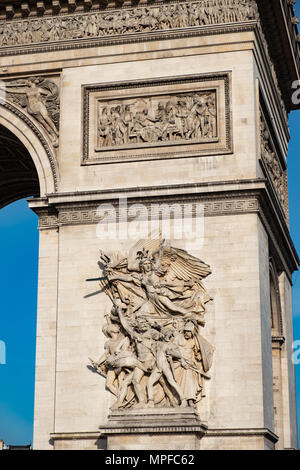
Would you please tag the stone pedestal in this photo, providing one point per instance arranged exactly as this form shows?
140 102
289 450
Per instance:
154 428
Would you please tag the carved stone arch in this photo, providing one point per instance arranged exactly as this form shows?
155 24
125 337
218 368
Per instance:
276 314
25 132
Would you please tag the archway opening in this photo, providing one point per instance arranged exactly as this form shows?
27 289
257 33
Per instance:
18 277
18 175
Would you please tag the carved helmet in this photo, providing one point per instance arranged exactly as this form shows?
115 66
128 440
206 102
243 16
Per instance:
189 326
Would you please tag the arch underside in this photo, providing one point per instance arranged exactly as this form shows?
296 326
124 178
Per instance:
18 175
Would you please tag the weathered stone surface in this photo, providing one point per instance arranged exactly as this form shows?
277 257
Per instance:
176 104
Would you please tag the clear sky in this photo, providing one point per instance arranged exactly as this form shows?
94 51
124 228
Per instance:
18 281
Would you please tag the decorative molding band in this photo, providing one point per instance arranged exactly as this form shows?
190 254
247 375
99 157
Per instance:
50 152
152 429
88 215
248 197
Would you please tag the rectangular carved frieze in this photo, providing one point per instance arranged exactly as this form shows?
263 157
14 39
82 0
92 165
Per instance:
271 163
165 118
125 21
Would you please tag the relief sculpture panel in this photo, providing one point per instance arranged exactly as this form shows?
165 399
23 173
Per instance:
165 118
140 19
272 165
155 354
39 97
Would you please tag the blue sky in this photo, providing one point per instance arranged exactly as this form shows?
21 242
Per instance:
18 280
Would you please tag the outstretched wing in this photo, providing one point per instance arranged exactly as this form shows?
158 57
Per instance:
52 99
183 265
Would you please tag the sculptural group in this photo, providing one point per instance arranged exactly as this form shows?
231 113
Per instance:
182 117
126 21
154 354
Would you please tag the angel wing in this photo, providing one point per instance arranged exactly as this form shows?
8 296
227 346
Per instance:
52 99
183 265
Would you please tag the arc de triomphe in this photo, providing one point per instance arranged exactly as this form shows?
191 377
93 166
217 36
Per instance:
118 113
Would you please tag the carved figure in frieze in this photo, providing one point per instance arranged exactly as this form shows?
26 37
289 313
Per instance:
190 116
134 20
118 361
270 157
153 357
198 354
40 98
165 350
143 337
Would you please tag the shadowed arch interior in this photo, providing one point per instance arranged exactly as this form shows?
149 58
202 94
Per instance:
18 175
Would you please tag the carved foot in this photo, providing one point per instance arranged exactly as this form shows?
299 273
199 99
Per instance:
116 406
141 405
150 404
191 403
184 403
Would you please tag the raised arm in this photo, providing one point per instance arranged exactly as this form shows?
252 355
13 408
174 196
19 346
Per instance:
19 91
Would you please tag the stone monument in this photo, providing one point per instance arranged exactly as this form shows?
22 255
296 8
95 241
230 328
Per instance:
153 137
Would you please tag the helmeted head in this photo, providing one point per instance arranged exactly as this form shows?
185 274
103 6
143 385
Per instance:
146 261
188 330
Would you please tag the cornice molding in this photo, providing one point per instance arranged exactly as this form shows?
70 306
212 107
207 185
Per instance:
221 199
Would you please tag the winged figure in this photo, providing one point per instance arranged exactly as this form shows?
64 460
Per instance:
155 355
157 280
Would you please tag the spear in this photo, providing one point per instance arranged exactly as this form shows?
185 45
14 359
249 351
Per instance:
105 278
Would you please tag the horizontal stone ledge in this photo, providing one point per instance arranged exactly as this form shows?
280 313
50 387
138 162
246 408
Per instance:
243 432
149 191
153 430
106 430
59 436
